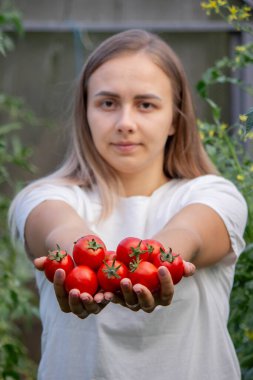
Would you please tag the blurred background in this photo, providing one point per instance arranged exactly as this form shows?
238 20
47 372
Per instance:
59 35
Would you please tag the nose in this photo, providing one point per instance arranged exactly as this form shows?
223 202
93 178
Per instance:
125 122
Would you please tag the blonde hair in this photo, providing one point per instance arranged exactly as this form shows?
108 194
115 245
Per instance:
184 155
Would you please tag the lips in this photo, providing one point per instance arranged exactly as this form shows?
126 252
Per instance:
125 143
125 146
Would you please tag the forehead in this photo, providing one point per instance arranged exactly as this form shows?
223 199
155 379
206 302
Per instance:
129 69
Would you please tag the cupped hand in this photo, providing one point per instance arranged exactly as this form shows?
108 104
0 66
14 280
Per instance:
80 304
136 297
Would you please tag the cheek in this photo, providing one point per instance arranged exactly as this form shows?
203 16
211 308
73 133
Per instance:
98 122
166 129
94 125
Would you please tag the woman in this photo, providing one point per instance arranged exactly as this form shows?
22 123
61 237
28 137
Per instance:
136 167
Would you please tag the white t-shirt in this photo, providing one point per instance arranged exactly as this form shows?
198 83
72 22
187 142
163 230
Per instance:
187 340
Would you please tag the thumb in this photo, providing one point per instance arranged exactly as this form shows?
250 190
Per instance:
189 269
39 262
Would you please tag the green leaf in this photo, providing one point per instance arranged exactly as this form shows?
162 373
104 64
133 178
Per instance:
12 18
249 121
216 110
222 79
202 88
10 127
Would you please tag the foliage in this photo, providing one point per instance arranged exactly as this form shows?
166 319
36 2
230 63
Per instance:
230 147
17 300
9 17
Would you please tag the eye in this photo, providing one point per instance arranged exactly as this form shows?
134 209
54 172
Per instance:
146 106
107 104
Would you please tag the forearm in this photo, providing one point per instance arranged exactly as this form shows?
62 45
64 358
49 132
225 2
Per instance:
65 236
52 223
182 241
198 233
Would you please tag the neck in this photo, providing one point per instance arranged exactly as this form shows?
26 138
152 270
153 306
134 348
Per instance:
141 184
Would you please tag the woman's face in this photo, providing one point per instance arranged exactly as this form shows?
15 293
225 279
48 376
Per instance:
130 112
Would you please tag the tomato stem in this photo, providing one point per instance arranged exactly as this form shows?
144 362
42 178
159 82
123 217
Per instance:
111 270
136 252
134 264
92 244
168 255
57 255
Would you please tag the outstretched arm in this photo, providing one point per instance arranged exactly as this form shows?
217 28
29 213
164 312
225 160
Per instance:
55 222
198 233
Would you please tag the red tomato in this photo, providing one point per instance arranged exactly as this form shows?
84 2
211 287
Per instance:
110 274
89 250
145 273
55 260
173 262
131 249
82 278
154 247
110 255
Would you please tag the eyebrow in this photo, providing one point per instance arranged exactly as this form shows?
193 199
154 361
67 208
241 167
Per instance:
140 96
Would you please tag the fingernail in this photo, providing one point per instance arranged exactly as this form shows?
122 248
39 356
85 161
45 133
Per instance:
75 293
59 274
163 271
137 290
101 301
125 283
85 299
190 267
193 268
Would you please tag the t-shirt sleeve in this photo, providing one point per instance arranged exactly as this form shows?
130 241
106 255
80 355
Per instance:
223 197
28 199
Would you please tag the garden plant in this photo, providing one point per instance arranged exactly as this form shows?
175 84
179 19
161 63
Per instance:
18 303
230 146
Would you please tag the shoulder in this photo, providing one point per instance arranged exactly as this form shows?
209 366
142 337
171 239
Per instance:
216 181
214 191
79 198
40 191
219 194
225 199
213 187
205 188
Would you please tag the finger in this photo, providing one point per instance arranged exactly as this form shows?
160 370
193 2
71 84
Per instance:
109 296
99 297
39 263
60 292
76 305
89 304
189 269
167 287
146 300
131 300
114 298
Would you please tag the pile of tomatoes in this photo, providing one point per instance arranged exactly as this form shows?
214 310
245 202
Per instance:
92 266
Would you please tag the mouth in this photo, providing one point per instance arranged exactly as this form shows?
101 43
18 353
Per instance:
125 146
